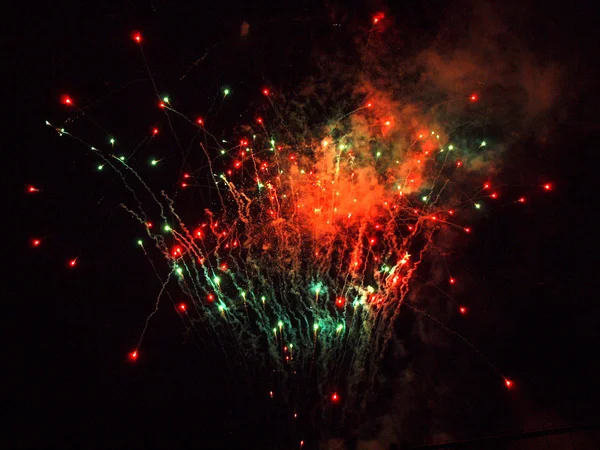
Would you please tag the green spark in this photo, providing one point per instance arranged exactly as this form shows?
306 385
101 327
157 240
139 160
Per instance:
166 99
316 326
483 144
226 92
217 280
280 324
477 205
140 242
451 147
122 158
100 167
112 141
339 328
154 162
167 227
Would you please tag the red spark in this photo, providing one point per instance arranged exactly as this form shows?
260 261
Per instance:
184 185
474 97
335 397
161 105
259 120
452 280
340 301
73 262
66 100
186 175
301 442
266 92
378 18
494 195
133 356
223 266
459 163
149 224
508 383
271 394
462 310
36 242
182 307
176 252
32 189
521 200
486 185
136 36
548 187
369 105
210 298
467 230
154 131
199 121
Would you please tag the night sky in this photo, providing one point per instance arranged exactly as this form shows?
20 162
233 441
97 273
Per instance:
528 272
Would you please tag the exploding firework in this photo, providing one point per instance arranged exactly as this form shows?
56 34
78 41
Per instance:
313 247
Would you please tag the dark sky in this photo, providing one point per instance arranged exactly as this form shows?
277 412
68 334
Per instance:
533 268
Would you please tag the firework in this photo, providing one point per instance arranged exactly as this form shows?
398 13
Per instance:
312 251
